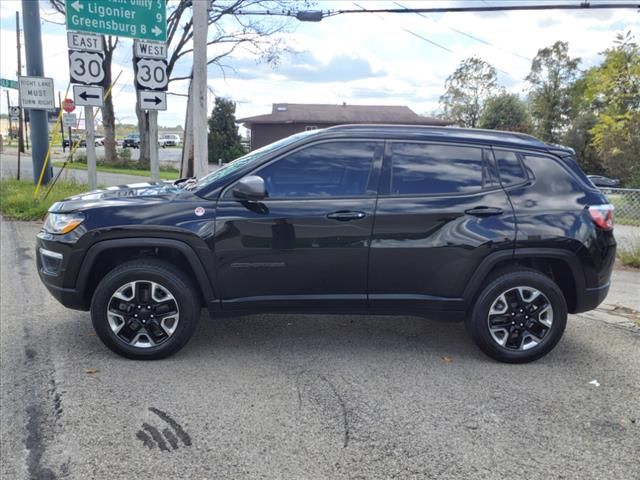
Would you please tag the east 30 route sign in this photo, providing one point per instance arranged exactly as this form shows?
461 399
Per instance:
142 19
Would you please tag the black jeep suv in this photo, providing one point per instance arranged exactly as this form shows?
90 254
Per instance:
496 228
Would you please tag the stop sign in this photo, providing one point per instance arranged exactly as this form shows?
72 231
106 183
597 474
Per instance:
68 105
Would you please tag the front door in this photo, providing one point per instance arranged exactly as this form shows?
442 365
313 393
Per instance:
305 245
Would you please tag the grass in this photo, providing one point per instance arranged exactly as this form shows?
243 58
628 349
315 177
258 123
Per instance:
17 202
166 173
630 256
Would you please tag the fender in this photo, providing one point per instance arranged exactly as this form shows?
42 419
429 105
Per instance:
203 279
477 279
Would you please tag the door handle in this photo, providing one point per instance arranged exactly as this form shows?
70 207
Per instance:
484 211
346 215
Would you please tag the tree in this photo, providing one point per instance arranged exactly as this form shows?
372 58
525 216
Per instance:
108 114
505 112
228 30
613 90
552 74
466 91
580 138
223 139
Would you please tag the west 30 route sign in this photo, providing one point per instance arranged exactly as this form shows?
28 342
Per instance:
151 74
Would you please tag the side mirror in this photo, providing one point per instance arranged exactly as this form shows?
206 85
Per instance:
250 188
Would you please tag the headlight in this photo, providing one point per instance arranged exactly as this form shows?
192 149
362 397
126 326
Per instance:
61 223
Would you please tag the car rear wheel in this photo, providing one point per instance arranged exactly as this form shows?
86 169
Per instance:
519 317
145 309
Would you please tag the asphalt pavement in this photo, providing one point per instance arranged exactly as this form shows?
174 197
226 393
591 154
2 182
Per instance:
9 167
311 397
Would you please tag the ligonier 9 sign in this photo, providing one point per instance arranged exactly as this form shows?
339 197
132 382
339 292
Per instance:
142 19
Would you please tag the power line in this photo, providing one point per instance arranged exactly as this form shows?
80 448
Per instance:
411 32
477 39
430 41
318 15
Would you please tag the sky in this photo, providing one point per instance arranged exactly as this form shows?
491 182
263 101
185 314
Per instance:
360 59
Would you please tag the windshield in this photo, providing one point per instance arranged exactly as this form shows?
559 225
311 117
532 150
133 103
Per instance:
250 158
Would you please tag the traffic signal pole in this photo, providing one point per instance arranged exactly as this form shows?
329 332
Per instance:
35 68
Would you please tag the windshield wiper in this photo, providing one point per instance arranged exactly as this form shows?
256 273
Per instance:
187 183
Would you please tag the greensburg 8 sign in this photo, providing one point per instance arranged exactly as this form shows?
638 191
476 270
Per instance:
142 19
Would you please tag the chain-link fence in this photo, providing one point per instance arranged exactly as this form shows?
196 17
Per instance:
627 204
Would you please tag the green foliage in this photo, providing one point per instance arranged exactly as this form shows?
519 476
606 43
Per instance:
505 112
467 90
17 201
612 89
223 139
630 256
551 79
580 138
617 140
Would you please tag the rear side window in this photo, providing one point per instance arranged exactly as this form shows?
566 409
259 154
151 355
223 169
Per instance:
419 168
332 169
511 170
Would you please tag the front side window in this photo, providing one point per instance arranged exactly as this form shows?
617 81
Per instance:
332 169
425 169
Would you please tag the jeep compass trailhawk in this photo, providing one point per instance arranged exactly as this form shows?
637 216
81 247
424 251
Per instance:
495 228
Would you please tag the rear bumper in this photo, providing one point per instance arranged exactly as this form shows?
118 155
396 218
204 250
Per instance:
591 298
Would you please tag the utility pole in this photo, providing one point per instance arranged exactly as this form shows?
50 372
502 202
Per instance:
19 73
35 68
186 166
199 83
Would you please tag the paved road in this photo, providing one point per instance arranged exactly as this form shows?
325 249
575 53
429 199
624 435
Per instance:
9 168
304 397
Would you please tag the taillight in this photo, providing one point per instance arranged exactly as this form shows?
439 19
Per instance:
602 215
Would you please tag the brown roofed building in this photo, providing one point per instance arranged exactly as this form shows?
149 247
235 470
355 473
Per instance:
288 118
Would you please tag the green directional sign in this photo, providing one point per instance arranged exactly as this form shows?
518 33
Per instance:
6 83
142 19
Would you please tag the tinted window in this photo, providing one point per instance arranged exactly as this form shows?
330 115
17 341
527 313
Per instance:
510 167
431 169
550 174
324 170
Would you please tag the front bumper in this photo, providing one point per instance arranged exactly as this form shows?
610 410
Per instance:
52 260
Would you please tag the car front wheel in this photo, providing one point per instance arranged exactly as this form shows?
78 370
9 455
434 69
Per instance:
519 317
145 309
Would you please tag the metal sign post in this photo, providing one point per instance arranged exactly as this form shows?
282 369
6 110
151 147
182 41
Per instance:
92 174
152 117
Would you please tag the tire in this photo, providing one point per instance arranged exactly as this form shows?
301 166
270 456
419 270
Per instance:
163 301
512 323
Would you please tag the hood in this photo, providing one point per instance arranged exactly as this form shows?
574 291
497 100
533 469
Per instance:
135 193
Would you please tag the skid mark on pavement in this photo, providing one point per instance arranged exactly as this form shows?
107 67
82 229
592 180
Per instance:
151 436
319 396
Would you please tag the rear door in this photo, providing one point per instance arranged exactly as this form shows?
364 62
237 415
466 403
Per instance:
306 244
440 212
